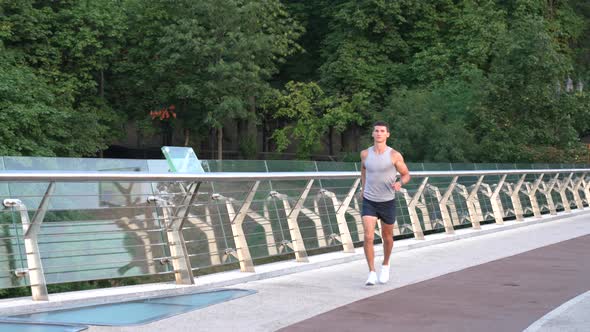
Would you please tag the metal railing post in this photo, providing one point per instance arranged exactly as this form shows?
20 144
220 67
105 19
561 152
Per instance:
575 189
210 234
547 191
515 198
434 190
317 220
473 205
355 211
562 187
416 228
347 243
419 205
183 273
586 187
31 231
453 209
237 220
266 225
442 203
495 201
533 196
297 243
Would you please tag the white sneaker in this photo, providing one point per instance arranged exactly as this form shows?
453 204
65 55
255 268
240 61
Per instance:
384 274
372 279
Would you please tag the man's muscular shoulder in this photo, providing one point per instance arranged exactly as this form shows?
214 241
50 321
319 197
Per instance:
364 154
396 156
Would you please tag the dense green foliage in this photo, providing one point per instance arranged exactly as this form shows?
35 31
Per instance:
52 57
468 80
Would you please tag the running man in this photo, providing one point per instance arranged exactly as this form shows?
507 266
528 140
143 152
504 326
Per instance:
379 167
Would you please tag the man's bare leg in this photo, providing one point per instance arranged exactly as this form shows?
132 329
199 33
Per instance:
387 238
369 223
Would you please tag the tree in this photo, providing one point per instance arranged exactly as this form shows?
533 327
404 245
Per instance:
430 124
33 123
309 115
208 57
68 45
526 117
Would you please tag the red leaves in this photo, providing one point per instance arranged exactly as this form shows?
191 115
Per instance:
164 113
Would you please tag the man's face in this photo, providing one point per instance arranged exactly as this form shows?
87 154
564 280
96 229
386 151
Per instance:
380 134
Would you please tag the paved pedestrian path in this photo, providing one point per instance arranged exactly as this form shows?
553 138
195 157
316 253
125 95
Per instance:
503 281
504 295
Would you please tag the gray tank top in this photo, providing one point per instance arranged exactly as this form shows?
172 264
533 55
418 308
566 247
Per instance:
380 174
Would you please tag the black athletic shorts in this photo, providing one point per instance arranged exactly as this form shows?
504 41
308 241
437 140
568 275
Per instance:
382 210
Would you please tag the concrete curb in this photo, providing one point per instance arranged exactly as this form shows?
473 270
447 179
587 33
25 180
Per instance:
555 313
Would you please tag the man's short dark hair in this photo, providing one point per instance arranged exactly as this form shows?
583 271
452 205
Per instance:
382 124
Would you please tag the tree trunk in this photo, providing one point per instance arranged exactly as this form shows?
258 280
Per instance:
166 133
252 130
220 143
187 131
330 141
350 139
242 125
264 136
187 135
356 134
212 134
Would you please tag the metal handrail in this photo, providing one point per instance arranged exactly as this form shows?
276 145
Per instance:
69 176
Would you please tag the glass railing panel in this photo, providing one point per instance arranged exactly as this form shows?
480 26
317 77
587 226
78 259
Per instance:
12 255
341 189
235 166
12 252
182 159
292 190
91 195
415 167
161 166
462 167
118 241
433 192
207 240
258 223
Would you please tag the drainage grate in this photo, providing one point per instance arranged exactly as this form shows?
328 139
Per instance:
133 312
20 326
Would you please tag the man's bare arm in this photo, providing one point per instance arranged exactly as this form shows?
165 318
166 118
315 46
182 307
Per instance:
363 171
402 169
398 161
